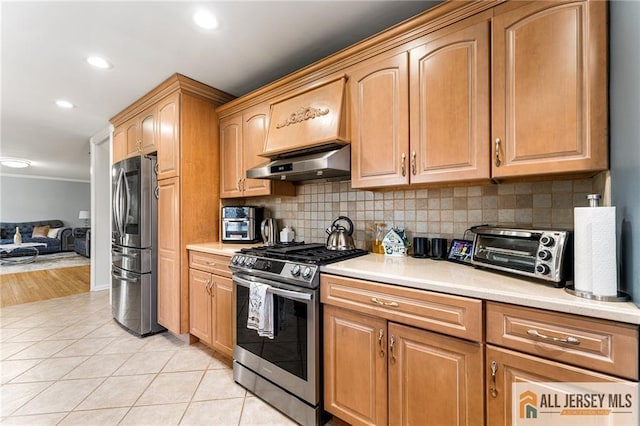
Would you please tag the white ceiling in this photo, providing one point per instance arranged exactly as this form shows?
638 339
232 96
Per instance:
44 45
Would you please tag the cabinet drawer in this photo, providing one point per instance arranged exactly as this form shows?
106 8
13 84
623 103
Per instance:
452 315
214 263
591 343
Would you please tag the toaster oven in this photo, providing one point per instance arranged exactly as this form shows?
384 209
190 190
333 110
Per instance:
241 224
538 253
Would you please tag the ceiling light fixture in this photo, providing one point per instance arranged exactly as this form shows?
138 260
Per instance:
205 19
64 104
99 62
15 163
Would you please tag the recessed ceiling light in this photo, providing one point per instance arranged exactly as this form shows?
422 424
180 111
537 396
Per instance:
16 163
64 104
205 19
99 62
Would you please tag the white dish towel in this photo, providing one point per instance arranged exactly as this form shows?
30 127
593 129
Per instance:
261 310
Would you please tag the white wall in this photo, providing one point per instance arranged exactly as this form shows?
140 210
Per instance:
100 210
24 199
624 86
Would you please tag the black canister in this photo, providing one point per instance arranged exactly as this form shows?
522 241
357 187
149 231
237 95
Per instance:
439 248
421 247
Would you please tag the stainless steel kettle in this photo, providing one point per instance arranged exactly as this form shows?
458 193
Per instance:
340 238
269 231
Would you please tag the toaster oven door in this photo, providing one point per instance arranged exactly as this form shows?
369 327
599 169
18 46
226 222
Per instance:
517 254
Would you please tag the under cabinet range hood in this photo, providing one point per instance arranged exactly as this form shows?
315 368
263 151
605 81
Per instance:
306 139
307 121
326 165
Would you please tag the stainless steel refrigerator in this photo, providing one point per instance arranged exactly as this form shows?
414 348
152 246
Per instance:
134 284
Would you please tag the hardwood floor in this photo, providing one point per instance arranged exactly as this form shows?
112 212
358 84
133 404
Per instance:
25 287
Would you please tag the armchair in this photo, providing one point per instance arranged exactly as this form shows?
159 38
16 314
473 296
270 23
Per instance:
82 241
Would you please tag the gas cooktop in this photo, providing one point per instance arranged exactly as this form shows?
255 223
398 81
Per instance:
314 254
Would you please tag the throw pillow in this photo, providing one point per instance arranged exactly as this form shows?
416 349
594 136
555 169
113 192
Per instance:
40 231
53 232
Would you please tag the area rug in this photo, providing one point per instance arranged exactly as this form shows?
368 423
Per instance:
47 261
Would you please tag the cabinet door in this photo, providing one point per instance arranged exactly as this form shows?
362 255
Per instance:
355 369
222 315
169 290
119 149
450 108
549 88
504 368
380 123
148 130
200 305
231 173
254 131
433 379
132 131
169 137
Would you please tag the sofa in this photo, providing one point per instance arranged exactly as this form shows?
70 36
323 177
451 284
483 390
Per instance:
59 237
82 241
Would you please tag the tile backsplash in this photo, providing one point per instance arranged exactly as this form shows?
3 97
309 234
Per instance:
438 212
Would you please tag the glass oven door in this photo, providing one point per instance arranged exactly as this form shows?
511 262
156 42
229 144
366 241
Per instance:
291 358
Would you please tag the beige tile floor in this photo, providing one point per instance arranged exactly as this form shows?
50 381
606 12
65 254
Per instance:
66 362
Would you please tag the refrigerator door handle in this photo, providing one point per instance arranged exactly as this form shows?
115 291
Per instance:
123 278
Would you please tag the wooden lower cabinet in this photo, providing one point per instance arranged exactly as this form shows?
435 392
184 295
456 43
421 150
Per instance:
211 307
378 372
505 367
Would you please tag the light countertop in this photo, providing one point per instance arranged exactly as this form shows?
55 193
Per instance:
223 249
463 280
460 280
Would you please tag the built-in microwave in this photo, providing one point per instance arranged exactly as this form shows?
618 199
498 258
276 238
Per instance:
241 224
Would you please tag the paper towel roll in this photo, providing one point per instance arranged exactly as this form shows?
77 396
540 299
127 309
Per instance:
595 268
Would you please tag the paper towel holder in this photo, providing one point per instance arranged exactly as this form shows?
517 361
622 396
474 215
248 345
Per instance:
621 296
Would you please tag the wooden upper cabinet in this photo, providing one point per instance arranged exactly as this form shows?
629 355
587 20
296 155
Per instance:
423 116
168 136
231 171
242 139
450 106
549 88
254 131
119 144
380 123
147 131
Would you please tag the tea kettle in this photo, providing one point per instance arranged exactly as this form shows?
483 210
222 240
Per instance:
340 238
269 231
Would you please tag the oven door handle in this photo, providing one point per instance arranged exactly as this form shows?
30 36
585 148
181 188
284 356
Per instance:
295 295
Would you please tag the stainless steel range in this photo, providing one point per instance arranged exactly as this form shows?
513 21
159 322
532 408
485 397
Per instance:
285 370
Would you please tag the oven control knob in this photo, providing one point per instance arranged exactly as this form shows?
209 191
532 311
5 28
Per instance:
234 259
547 241
241 260
250 262
306 273
544 254
295 271
543 269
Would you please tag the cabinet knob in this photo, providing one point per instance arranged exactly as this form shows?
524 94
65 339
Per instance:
403 164
392 355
